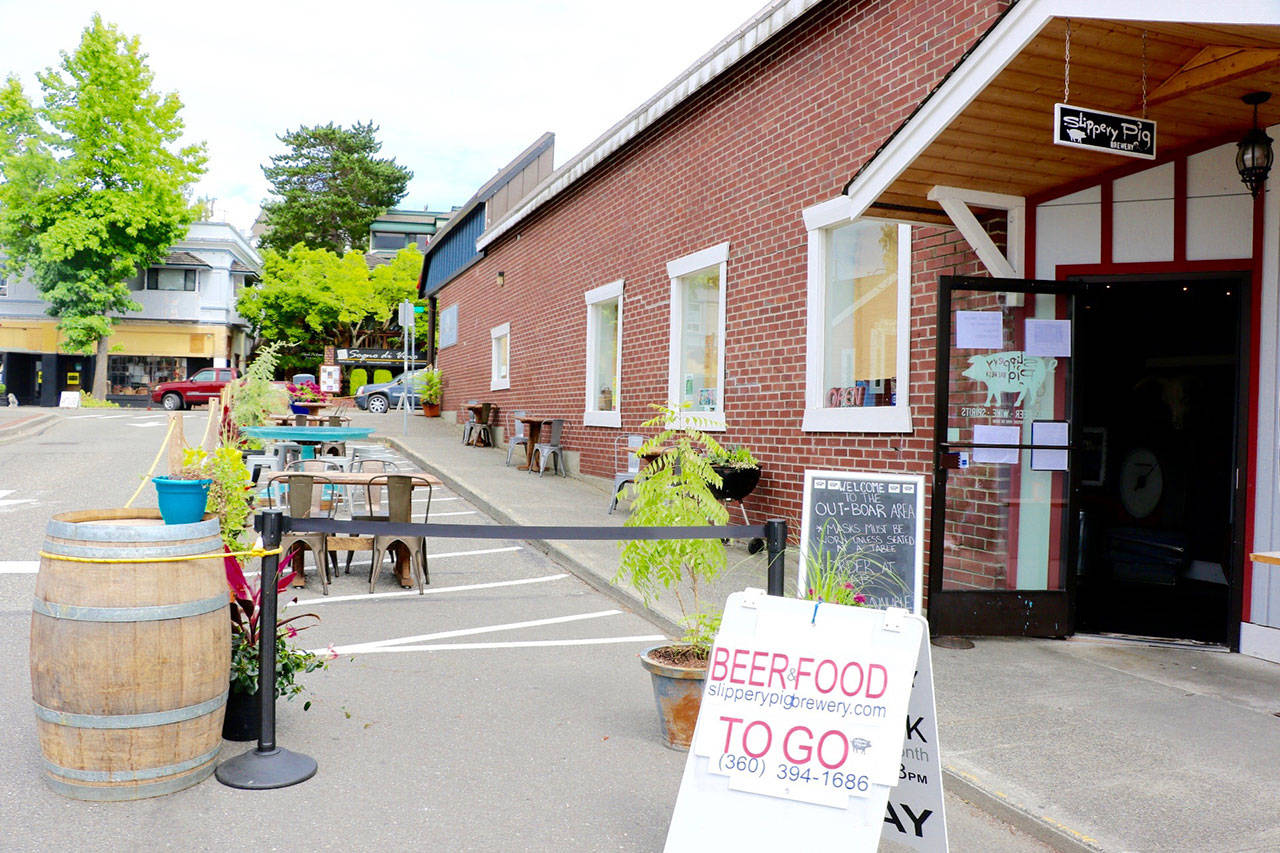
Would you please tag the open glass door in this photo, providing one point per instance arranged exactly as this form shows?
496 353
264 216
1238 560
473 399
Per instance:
1001 547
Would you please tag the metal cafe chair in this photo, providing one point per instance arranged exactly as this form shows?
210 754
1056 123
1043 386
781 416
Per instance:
519 437
622 478
303 494
551 449
375 504
399 490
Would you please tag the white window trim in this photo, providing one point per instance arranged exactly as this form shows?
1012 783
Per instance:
817 417
592 416
718 255
495 382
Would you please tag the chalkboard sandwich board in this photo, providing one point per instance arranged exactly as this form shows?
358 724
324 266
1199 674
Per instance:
868 527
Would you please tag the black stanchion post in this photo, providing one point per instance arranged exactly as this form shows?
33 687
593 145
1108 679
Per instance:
775 537
268 766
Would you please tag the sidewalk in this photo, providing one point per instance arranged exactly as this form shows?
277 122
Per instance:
1085 744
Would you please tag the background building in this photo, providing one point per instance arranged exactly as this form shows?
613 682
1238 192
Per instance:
188 321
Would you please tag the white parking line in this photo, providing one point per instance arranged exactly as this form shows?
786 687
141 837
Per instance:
460 512
334 599
357 648
19 567
526 644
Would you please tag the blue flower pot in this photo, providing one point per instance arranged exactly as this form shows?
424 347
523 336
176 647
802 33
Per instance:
181 501
299 410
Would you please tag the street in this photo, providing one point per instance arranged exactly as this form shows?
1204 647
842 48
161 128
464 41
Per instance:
503 710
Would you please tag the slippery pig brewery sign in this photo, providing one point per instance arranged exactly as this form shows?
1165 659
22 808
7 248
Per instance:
1099 131
801 724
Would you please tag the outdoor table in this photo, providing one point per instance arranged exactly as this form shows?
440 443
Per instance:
312 420
308 436
476 410
1271 558
342 542
533 424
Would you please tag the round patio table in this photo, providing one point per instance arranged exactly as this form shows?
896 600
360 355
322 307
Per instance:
309 437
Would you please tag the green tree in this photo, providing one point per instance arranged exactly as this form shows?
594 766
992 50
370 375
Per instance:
92 187
329 187
309 295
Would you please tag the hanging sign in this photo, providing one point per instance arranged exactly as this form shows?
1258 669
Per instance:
800 726
1099 131
869 528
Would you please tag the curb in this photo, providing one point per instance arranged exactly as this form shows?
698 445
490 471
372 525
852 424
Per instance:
1045 829
549 548
26 427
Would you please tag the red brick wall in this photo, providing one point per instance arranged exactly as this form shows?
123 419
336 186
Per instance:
738 162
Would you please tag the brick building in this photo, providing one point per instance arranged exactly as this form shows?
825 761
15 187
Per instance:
842 199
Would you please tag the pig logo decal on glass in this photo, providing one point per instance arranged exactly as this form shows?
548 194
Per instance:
1011 373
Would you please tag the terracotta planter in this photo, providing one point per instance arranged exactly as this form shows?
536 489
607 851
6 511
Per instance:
431 410
677 691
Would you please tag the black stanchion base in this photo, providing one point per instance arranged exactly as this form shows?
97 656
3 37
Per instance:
259 771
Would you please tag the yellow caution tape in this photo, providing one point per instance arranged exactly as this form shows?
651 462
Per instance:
252 552
154 462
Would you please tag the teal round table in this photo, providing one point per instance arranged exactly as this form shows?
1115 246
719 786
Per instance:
308 437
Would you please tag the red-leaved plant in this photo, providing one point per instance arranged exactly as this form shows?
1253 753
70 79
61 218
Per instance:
246 607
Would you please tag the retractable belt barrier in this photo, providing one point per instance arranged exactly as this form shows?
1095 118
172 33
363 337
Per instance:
271 766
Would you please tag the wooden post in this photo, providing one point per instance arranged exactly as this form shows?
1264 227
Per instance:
177 443
213 428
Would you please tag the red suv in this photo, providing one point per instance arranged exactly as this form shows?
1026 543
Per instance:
200 388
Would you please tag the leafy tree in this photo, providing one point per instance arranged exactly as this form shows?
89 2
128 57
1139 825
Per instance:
91 186
309 295
330 187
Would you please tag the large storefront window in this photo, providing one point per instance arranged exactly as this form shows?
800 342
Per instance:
604 355
138 374
859 310
696 383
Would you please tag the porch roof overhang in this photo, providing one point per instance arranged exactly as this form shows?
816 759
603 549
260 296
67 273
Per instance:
986 131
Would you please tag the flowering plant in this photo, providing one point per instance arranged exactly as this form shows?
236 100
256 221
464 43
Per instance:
246 608
306 391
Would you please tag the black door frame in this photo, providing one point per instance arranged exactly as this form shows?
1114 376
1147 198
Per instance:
1037 613
1242 477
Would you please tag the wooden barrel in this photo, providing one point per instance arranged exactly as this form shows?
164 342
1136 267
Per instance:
129 661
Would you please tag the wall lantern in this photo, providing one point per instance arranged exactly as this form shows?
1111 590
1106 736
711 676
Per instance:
502 277
1253 153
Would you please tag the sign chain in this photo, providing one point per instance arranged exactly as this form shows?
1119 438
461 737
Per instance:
1066 67
1144 73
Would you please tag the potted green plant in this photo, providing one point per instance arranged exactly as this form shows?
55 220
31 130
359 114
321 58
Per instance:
4 395
254 398
183 494
676 490
231 498
739 473
429 387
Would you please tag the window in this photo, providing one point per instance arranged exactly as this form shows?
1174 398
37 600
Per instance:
388 240
449 326
166 279
604 355
858 349
500 357
206 375
138 374
696 368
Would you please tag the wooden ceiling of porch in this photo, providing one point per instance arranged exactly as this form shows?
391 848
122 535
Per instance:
1002 141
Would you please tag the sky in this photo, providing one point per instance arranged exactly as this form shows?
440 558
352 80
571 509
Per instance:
458 88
